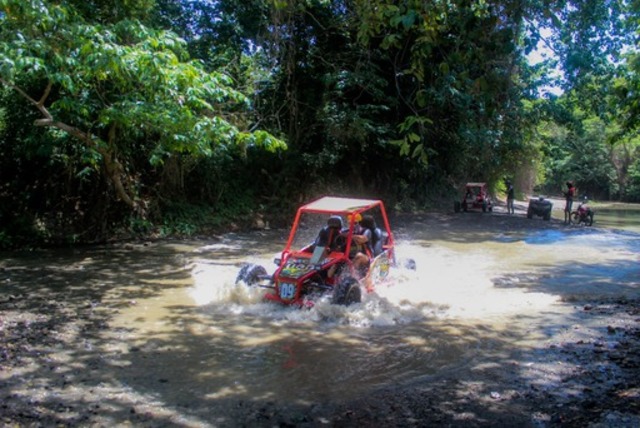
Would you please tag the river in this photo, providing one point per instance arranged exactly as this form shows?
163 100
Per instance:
426 323
183 335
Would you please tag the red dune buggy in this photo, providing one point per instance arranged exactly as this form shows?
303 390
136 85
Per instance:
326 254
476 196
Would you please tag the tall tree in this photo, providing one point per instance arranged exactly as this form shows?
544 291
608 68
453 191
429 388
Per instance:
108 84
455 67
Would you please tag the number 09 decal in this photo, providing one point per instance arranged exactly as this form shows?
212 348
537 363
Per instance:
287 290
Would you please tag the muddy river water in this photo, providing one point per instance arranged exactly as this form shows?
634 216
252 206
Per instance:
183 335
223 341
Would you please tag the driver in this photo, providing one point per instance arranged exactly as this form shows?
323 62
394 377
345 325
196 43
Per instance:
327 236
469 194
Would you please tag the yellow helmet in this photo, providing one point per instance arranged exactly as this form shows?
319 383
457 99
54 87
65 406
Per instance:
356 219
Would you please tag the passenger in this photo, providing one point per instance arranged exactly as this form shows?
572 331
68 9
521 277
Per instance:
375 235
360 248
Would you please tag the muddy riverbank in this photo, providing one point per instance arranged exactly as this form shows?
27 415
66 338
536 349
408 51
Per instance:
69 359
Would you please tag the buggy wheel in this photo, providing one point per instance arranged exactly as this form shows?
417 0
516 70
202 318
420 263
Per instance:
347 292
456 206
547 216
589 220
407 263
529 212
575 217
484 207
250 274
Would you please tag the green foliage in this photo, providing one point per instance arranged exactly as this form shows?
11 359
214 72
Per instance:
140 226
124 75
181 108
127 93
457 109
185 219
633 190
111 11
589 34
6 242
579 151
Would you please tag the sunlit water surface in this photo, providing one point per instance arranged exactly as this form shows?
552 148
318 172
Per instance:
616 215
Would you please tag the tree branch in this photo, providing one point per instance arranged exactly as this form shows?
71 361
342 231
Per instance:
113 168
38 104
47 91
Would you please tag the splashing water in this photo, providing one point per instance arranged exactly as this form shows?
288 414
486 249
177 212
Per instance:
444 284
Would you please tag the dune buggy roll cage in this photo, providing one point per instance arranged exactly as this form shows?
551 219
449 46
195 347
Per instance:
349 207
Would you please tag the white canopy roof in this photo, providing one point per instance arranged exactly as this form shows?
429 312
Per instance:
333 204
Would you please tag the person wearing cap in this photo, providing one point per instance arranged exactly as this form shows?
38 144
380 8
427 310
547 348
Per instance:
361 239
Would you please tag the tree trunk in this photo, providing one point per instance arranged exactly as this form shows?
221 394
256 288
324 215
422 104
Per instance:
112 167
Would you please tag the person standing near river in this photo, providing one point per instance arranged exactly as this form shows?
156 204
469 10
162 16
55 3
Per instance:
510 198
569 194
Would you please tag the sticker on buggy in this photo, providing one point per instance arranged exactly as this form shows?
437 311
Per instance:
296 268
287 290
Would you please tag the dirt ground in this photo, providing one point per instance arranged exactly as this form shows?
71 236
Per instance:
52 368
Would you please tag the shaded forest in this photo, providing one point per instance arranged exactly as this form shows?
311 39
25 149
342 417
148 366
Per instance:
125 118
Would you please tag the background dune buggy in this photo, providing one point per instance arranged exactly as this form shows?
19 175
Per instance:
476 196
318 256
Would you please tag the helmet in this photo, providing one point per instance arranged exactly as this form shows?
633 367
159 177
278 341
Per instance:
335 221
368 222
